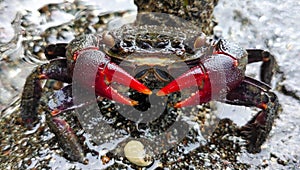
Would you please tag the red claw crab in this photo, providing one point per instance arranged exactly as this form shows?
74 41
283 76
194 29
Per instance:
131 54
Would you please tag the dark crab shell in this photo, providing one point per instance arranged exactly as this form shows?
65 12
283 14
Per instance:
171 48
156 45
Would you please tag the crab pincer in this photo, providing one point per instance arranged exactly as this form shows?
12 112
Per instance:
216 73
112 72
194 77
106 73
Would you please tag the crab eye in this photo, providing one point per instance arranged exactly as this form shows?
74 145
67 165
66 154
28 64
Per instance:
200 41
145 45
161 75
126 43
142 73
162 44
108 39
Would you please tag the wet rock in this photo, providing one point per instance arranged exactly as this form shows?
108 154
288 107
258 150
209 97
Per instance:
199 13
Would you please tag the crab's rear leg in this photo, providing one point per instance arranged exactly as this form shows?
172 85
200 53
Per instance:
255 93
56 69
62 100
268 66
53 51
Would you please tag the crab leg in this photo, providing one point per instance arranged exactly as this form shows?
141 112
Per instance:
62 101
268 65
56 69
254 93
67 139
55 50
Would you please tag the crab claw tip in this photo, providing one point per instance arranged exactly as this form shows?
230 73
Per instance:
161 93
177 105
147 91
134 103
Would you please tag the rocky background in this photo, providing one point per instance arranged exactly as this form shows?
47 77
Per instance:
27 27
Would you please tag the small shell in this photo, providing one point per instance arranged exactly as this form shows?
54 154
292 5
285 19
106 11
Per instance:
135 152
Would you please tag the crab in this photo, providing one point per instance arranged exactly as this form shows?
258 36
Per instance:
181 59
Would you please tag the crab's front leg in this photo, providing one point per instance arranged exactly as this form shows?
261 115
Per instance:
257 94
56 69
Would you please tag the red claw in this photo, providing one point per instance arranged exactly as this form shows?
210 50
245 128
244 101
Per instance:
112 72
194 77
